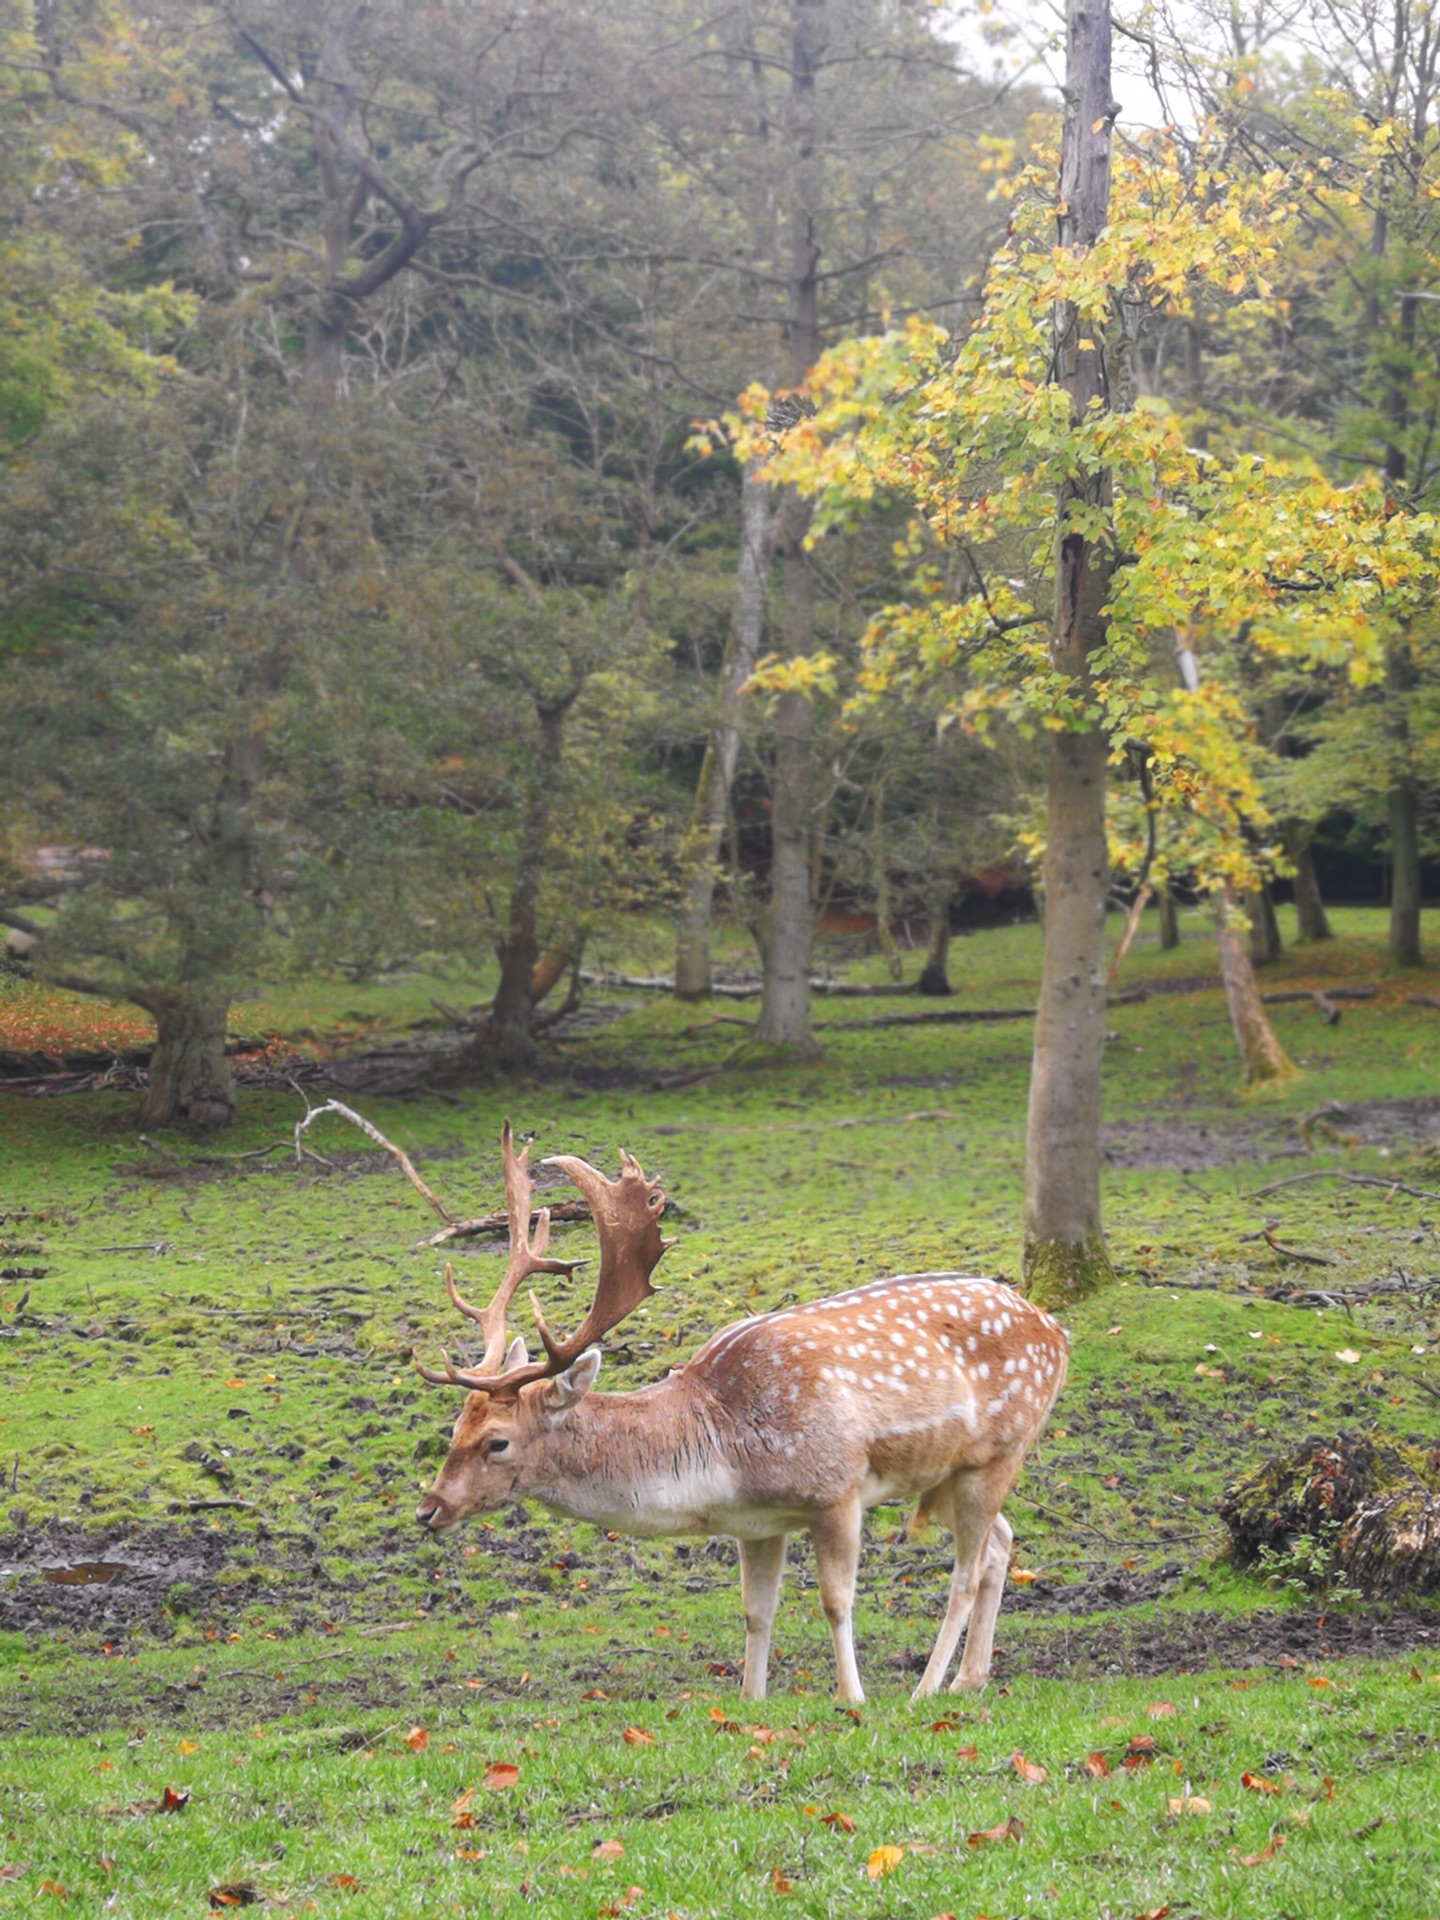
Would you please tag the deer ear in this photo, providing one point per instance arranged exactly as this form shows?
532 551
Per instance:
560 1395
517 1356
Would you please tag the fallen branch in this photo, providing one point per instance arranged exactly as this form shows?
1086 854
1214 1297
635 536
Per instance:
498 1222
752 989
1294 1253
1351 1179
398 1154
1324 998
1431 1000
206 1506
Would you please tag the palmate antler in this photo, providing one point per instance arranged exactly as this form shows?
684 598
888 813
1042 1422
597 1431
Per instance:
627 1218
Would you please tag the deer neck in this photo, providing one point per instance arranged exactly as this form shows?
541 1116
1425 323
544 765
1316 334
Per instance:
654 1461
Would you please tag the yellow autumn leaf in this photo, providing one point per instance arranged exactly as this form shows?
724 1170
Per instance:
882 1861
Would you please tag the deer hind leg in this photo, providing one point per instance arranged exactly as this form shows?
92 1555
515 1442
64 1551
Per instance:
968 1504
762 1565
980 1638
836 1534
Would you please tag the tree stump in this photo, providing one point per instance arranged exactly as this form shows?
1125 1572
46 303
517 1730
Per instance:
1371 1503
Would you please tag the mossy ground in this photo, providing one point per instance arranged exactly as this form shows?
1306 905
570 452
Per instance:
245 1330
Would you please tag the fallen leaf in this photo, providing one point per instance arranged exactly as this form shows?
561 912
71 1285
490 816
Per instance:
1096 1765
461 1804
472 1853
882 1861
499 1774
1189 1803
638 1737
607 1850
1022 1576
187 1746
345 1881
1265 1853
417 1739
1317 1680
1257 1783
240 1894
1350 1358
173 1800
967 1753
1160 1710
54 1888
595 1693
1011 1830
1028 1770
948 1723
779 1883
840 1820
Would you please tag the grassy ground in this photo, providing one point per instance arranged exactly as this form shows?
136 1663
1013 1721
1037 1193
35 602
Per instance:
202 1329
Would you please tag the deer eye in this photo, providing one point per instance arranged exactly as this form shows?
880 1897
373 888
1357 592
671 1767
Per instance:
496 1445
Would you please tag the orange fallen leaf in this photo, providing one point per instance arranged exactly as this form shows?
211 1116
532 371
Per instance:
1021 1576
1011 1830
417 1739
882 1861
1160 1710
239 1894
948 1723
837 1819
1257 1783
54 1888
1028 1770
174 1800
472 1853
187 1746
595 1693
967 1753
1189 1803
346 1881
607 1850
1096 1765
1265 1853
779 1881
462 1802
1317 1680
638 1737
499 1774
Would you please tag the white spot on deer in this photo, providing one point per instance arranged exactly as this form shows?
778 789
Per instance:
982 1372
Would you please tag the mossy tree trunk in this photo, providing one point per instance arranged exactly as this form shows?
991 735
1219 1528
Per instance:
1262 1057
1169 919
190 1082
1064 1249
1312 921
1265 943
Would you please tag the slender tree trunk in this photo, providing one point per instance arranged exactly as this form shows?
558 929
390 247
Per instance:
717 774
784 1019
509 1041
1261 1055
189 1080
894 965
1064 1248
1169 920
935 974
1402 805
1310 914
1265 946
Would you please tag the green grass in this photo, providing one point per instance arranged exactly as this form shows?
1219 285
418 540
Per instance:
246 1330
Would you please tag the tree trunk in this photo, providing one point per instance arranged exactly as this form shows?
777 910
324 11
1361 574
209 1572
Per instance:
717 775
1264 927
1402 805
1261 1055
509 1041
785 1008
1169 920
1064 1249
894 965
935 974
1311 917
190 1082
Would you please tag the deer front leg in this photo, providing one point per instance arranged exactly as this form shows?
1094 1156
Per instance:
762 1565
837 1559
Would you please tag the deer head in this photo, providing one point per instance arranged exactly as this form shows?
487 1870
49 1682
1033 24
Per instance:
514 1402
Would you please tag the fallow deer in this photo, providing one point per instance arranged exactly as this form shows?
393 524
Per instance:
933 1385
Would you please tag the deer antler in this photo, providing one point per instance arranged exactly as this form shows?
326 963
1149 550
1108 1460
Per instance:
527 1257
627 1219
